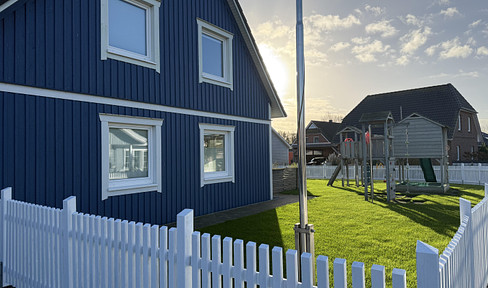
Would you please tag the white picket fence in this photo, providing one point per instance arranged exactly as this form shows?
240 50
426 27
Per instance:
48 247
460 174
464 262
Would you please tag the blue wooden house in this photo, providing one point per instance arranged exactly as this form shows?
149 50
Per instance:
139 108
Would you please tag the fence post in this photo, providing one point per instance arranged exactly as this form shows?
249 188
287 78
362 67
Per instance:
399 278
69 207
428 275
465 210
184 224
6 195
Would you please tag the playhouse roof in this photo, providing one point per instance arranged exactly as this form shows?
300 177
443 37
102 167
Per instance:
439 103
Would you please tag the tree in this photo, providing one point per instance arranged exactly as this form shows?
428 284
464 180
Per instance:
334 117
290 137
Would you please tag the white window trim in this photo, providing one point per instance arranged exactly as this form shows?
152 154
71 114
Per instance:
129 186
209 29
218 177
152 60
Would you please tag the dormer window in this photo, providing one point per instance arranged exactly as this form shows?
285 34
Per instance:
130 31
215 55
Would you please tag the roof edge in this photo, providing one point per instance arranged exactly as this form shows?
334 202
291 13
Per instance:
277 109
281 138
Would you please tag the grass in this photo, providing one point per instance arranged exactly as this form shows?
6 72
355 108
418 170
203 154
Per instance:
348 227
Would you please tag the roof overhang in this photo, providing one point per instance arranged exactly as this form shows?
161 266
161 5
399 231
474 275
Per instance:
277 109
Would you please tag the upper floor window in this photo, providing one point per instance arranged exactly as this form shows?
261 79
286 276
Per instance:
130 31
469 124
316 139
458 153
459 122
215 55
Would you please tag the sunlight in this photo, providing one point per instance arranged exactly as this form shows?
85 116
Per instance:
276 68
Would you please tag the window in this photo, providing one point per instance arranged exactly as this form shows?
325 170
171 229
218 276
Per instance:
216 154
130 31
316 139
459 122
131 155
458 153
469 124
215 55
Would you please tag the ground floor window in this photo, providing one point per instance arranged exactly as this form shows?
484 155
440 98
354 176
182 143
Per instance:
216 153
131 155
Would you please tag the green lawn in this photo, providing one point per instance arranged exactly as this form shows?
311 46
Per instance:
348 227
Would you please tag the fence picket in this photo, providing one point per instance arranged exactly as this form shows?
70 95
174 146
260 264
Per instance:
291 268
307 270
357 270
124 254
146 275
399 278
340 273
196 260
137 252
154 256
251 264
263 265
239 263
378 276
131 236
216 262
206 276
322 271
277 256
163 256
172 258
227 262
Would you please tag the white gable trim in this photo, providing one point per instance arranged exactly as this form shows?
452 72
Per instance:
7 4
56 94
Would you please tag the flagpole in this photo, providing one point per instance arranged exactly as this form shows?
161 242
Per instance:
303 231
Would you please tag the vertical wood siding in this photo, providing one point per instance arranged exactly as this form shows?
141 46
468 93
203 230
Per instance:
50 149
55 44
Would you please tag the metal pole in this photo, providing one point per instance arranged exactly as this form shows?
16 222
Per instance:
304 238
371 162
302 177
365 157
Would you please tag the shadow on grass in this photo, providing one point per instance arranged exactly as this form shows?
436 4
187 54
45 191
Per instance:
262 228
295 192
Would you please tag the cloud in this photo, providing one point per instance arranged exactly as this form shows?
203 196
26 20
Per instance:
431 50
482 51
376 11
331 22
271 30
383 27
450 12
403 60
475 24
413 20
360 40
454 49
366 53
460 74
414 39
339 46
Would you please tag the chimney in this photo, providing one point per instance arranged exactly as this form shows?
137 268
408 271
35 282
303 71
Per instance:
330 121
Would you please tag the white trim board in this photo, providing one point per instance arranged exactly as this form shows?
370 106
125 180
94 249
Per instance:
7 4
56 94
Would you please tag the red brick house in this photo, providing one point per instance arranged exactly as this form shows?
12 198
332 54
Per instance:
320 139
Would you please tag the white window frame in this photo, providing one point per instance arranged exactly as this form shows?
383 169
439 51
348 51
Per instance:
221 176
211 30
136 185
7 4
469 124
459 122
152 59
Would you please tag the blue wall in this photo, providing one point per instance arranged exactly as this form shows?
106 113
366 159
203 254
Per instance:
55 44
50 149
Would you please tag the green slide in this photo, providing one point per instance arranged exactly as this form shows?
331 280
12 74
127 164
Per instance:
428 170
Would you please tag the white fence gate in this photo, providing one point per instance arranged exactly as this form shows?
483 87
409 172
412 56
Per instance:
48 247
460 174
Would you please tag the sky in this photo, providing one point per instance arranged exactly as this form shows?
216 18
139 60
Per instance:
359 48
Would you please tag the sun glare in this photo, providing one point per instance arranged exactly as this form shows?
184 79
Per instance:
276 68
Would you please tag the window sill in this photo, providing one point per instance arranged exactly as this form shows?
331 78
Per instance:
132 59
126 190
214 180
216 81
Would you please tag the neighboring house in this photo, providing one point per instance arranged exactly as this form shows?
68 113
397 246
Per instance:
139 108
485 137
442 104
281 148
320 135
